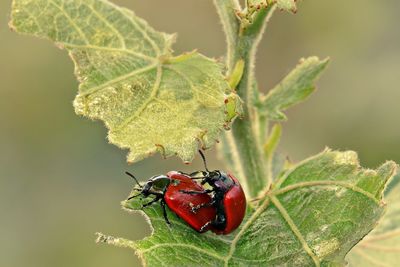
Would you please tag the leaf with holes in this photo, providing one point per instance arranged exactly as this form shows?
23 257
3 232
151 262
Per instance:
148 99
381 246
313 215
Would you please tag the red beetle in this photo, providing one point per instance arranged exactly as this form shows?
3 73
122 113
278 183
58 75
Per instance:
227 197
229 201
220 209
168 190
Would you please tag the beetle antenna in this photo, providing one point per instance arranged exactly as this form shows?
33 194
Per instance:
204 160
134 178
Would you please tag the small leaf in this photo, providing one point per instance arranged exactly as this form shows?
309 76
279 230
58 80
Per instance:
381 246
273 160
273 140
233 105
148 99
293 89
313 215
254 7
287 5
237 74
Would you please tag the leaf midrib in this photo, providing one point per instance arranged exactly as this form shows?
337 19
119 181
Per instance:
147 102
296 231
118 79
198 249
110 26
105 20
83 36
154 60
111 49
187 79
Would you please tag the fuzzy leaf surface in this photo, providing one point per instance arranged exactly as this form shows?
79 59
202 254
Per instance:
293 89
287 5
148 99
312 216
381 246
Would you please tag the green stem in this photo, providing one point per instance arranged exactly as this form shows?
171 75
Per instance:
226 11
242 143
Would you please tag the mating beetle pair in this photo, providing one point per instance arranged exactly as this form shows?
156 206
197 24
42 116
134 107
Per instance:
220 209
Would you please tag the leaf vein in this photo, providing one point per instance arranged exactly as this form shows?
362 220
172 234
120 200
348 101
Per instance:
295 230
110 49
326 183
248 223
110 26
209 253
146 103
118 79
184 76
144 34
73 24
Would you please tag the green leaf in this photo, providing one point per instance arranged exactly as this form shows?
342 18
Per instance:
254 7
237 74
273 140
233 106
287 5
273 161
148 99
293 89
381 246
312 216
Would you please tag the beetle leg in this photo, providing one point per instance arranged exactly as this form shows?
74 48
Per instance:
202 205
218 223
193 174
129 198
165 212
205 226
157 198
192 192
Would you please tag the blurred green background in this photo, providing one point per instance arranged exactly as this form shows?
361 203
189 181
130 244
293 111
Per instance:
60 181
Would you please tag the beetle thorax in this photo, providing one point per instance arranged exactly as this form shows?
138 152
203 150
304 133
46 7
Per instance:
156 185
220 181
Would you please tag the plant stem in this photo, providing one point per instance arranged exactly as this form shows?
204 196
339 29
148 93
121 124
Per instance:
242 144
231 25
